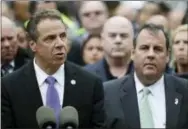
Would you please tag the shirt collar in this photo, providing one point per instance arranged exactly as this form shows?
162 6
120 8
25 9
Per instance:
41 75
12 63
155 88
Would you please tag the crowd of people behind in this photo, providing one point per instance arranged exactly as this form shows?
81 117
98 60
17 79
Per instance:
84 21
122 46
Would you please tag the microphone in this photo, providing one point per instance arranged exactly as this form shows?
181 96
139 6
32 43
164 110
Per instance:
46 118
68 118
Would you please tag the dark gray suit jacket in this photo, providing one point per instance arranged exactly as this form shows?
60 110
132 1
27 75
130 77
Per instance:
21 97
121 104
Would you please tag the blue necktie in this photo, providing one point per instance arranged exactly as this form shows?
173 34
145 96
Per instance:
52 97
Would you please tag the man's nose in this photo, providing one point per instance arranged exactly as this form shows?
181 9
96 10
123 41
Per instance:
95 51
151 53
118 39
181 46
6 43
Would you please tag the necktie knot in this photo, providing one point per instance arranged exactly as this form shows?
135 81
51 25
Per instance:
6 66
146 91
50 80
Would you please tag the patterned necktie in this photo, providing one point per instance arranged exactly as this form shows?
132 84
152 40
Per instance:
52 97
6 68
146 119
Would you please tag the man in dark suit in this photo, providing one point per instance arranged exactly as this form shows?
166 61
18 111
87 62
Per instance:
12 57
117 41
49 80
147 98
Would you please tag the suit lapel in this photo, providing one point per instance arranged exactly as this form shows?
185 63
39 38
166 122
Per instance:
71 86
173 102
129 102
31 88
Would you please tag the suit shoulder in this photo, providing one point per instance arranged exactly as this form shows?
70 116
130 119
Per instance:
14 75
181 83
114 84
83 72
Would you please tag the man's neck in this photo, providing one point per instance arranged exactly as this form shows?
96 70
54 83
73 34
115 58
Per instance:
47 68
118 67
182 68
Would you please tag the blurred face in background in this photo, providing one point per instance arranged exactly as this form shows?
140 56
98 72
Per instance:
159 20
175 18
93 51
93 15
147 11
126 11
117 37
22 39
180 47
46 5
9 44
21 10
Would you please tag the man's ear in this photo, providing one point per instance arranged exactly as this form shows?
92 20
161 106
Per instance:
33 46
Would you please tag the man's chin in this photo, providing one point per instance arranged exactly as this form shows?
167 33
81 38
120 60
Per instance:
118 55
150 75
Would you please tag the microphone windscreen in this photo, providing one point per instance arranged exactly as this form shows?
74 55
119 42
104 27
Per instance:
45 117
69 117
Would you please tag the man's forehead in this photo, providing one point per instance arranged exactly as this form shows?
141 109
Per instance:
92 6
49 26
118 23
146 34
8 31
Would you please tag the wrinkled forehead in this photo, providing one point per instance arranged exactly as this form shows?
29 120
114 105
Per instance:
50 26
8 31
8 27
92 6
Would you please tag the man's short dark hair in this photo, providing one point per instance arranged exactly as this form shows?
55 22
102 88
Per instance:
153 28
39 16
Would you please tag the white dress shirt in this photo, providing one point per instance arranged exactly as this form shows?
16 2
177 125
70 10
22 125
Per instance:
59 75
156 99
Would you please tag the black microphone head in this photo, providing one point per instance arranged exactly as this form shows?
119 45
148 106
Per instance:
46 118
68 117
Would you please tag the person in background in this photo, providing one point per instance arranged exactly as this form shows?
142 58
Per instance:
159 20
93 15
175 18
147 98
180 50
185 18
6 11
126 11
12 56
22 37
117 41
92 50
50 80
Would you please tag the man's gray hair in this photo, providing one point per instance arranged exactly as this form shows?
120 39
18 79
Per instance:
39 16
